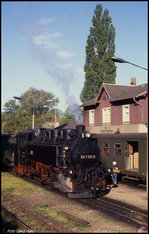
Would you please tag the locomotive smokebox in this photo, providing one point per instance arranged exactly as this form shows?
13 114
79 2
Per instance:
80 129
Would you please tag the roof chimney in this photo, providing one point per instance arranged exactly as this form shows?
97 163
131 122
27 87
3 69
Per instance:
133 81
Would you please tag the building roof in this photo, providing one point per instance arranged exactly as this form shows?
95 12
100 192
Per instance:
70 125
90 103
119 92
123 92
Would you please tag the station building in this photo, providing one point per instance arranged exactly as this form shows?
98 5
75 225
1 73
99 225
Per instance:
118 109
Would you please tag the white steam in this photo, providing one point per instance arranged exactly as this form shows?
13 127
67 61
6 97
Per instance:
47 48
63 184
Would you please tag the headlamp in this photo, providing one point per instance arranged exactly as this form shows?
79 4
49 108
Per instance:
87 134
66 148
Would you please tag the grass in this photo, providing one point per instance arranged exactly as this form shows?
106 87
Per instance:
43 206
53 214
15 186
10 189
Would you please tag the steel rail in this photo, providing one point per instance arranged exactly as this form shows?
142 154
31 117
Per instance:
48 225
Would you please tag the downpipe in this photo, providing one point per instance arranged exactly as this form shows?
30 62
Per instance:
142 110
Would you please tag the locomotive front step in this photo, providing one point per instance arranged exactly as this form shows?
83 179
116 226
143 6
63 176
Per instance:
86 194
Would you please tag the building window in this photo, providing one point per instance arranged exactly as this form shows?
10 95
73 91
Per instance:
105 149
91 117
106 115
126 113
117 149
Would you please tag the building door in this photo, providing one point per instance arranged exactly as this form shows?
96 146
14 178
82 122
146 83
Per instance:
131 156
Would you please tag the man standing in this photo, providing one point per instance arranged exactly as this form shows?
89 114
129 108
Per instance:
114 174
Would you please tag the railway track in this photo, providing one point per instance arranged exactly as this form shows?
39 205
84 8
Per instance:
118 210
131 213
9 220
134 183
36 222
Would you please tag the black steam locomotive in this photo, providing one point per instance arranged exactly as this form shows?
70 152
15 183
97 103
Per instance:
68 158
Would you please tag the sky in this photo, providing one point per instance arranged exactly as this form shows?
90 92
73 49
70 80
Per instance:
43 45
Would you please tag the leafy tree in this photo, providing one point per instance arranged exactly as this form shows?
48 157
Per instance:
99 50
17 115
67 116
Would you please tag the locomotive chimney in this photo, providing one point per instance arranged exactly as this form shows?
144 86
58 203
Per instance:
133 81
54 134
66 134
79 130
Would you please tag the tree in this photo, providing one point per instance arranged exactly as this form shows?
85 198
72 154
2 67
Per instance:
100 48
67 116
17 115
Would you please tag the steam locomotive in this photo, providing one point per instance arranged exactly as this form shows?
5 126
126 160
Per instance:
68 158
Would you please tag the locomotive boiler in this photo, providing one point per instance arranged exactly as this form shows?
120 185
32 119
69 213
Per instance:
68 158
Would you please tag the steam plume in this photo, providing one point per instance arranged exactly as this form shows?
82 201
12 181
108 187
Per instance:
63 184
46 47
